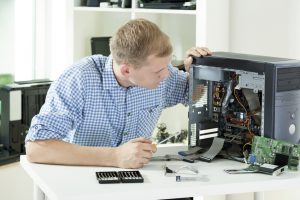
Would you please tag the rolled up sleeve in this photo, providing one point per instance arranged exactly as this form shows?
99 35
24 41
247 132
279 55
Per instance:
62 111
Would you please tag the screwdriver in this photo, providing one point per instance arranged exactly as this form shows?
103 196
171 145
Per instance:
178 133
155 145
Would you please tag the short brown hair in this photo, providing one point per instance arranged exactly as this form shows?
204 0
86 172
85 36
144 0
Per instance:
138 39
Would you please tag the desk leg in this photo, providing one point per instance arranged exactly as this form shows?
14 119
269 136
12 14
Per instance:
38 194
259 195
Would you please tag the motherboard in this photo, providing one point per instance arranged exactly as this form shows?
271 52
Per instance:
266 150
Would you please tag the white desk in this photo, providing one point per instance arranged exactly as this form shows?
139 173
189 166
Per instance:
77 182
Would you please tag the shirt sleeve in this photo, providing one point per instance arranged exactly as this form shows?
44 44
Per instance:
177 87
62 111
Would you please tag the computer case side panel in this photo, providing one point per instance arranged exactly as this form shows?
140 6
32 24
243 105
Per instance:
269 104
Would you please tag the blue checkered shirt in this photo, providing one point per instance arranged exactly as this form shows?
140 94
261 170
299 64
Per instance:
87 106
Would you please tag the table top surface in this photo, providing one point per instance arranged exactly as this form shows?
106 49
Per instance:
79 182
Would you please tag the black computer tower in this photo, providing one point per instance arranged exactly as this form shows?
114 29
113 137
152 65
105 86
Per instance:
19 102
237 96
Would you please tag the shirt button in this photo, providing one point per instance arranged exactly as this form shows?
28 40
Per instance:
125 133
128 114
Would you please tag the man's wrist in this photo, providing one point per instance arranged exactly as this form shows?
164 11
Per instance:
113 154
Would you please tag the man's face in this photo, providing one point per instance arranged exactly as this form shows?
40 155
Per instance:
151 73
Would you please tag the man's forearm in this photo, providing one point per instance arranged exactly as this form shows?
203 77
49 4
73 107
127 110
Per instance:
60 152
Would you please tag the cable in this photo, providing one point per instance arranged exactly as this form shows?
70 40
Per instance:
248 115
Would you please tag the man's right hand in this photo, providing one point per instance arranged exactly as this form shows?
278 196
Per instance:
135 153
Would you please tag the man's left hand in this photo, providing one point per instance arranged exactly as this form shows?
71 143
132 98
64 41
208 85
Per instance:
195 51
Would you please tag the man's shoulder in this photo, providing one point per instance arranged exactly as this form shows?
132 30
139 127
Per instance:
94 64
99 59
86 69
94 61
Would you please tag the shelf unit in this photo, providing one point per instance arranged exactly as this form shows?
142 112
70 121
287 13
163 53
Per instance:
66 27
205 26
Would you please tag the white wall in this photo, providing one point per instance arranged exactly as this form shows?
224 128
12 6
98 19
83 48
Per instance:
265 27
6 36
217 25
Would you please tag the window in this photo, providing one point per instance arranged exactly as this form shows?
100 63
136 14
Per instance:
33 38
24 39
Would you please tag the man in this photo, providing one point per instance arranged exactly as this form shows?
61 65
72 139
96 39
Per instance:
102 110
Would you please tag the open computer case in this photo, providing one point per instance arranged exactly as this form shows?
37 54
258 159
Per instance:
237 96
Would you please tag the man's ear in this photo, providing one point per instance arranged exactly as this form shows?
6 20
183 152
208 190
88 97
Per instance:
125 71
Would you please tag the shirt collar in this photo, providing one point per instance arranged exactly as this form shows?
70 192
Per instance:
109 79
